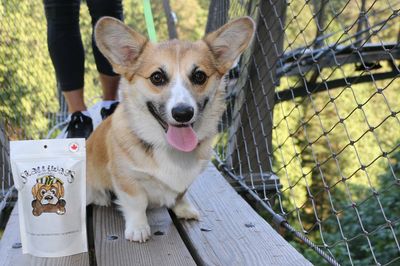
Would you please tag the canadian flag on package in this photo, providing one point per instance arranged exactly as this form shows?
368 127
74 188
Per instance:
50 176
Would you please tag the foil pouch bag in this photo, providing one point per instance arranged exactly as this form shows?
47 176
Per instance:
50 176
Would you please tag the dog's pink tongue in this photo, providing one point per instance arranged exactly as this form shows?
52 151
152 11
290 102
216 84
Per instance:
182 138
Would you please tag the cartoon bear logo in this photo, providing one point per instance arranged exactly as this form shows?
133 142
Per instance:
48 193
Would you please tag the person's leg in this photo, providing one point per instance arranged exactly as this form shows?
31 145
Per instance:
67 54
108 79
75 100
109 85
66 49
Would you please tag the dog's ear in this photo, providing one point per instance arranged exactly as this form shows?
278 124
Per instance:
60 189
228 42
119 44
35 190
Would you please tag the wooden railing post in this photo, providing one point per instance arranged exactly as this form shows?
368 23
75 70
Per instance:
250 137
5 169
217 14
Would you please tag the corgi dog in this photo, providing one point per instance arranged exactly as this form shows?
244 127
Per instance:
159 138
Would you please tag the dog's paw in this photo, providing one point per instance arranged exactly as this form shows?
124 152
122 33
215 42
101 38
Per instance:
138 233
187 212
100 198
102 202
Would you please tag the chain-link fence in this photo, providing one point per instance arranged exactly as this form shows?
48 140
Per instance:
312 129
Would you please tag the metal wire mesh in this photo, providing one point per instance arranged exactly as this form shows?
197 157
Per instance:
312 126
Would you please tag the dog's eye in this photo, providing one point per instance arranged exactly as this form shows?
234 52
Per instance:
53 191
43 192
158 78
198 77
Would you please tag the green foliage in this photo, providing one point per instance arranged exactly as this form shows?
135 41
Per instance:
27 91
310 129
190 16
373 213
369 214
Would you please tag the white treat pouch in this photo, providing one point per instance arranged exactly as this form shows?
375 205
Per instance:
50 176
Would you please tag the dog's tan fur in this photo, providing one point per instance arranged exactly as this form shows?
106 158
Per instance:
128 153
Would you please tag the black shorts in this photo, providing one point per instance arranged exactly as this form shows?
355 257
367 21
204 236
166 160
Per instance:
65 43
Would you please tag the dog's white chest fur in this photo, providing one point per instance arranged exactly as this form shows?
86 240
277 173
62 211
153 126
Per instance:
158 195
176 172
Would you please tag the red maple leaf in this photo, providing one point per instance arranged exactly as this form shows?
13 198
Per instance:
74 146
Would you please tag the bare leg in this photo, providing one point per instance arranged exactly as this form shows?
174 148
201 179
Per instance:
109 85
75 100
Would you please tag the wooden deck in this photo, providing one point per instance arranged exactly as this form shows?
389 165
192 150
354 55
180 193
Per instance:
230 233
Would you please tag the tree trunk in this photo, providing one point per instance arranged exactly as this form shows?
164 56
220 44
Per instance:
170 21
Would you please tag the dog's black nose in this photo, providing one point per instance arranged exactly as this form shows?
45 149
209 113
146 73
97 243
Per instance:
182 113
48 197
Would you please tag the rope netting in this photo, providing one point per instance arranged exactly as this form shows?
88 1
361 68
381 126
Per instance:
312 128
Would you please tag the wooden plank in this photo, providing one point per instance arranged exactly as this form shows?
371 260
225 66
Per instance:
217 14
230 232
164 248
10 256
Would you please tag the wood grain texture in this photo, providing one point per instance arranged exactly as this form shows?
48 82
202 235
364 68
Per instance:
13 257
230 232
164 248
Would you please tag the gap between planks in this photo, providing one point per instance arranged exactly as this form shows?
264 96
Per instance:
164 248
230 232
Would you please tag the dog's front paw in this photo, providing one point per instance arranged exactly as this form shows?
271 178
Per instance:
98 197
186 211
138 233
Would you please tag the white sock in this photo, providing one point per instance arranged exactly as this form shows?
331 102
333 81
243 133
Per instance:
107 104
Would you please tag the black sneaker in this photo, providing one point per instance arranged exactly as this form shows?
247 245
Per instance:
80 126
107 112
